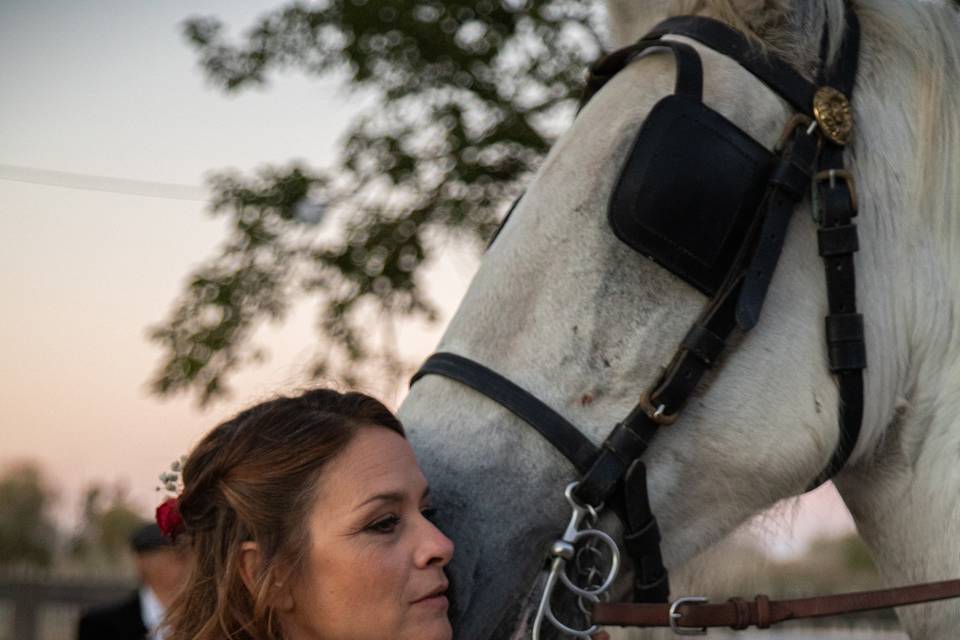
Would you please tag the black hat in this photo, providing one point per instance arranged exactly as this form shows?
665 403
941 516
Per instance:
149 537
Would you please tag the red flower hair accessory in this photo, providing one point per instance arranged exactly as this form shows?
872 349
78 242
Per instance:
169 519
168 513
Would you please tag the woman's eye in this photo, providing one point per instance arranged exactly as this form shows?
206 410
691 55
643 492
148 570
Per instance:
384 525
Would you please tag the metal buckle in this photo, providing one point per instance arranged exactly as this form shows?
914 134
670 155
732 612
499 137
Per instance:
675 616
832 175
657 413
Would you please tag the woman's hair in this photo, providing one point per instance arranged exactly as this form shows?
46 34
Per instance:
253 478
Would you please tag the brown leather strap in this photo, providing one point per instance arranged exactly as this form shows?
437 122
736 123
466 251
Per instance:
762 612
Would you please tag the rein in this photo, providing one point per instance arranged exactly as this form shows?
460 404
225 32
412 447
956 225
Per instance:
688 616
808 158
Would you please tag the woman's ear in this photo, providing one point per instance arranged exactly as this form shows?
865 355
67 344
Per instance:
281 595
249 565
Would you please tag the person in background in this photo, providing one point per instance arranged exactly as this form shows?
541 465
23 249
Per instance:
161 571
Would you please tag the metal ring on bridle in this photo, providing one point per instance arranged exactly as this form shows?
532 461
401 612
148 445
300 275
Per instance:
548 614
593 594
563 551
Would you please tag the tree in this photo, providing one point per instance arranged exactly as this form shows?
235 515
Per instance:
28 535
107 521
466 99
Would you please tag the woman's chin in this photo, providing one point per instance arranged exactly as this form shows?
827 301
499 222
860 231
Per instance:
433 627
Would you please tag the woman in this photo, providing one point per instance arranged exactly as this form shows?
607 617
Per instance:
308 519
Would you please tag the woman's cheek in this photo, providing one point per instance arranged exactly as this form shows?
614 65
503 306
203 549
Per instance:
376 571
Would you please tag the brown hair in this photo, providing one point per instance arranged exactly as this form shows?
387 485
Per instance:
254 478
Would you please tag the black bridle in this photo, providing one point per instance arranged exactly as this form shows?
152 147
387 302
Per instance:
808 158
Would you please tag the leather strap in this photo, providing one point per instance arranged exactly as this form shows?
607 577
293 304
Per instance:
565 437
789 183
641 539
671 392
763 612
771 70
618 475
837 237
689 68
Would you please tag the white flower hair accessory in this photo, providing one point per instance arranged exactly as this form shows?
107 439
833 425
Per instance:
171 481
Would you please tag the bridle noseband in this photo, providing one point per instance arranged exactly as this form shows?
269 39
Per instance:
735 277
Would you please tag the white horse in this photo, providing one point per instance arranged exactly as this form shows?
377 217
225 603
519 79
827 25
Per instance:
567 311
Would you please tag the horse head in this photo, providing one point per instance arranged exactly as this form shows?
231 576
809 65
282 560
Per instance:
569 312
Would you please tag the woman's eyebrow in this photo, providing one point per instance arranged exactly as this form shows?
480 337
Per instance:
391 496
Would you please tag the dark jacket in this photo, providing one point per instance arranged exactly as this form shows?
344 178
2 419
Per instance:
117 621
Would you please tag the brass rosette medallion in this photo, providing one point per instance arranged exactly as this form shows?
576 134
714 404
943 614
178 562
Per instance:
833 113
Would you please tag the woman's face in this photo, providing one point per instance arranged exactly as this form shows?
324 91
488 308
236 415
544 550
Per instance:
374 570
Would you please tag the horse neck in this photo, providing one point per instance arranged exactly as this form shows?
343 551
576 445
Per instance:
903 488
904 499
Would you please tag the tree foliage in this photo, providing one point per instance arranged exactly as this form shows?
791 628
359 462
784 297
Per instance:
108 519
463 100
27 533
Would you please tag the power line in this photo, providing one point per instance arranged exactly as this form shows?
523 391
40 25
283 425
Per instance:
109 184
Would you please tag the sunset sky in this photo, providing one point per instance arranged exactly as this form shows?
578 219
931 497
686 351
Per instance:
111 89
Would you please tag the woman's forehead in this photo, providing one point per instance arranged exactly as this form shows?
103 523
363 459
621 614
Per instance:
377 461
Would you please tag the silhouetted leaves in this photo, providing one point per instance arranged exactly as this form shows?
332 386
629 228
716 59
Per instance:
108 519
465 99
27 531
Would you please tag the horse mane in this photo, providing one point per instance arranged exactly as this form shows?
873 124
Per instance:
921 46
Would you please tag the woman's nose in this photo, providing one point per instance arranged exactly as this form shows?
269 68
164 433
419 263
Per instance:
435 547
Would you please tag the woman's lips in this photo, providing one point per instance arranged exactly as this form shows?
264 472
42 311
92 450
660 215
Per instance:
437 601
436 598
